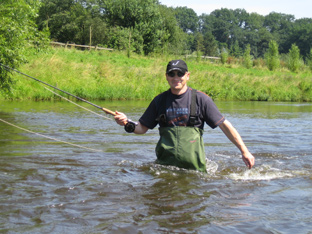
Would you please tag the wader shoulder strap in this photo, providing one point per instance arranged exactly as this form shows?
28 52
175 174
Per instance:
162 103
193 116
161 116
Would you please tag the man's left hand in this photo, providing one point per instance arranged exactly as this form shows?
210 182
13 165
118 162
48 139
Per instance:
248 159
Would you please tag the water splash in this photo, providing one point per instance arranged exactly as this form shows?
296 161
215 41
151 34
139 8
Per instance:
264 172
211 167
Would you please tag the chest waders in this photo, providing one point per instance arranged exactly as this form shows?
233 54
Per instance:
182 146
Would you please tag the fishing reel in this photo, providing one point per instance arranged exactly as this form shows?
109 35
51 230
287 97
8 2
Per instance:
130 126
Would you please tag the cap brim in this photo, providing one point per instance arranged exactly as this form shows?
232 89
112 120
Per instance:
177 69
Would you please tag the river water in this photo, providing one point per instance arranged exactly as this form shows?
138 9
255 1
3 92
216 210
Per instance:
52 187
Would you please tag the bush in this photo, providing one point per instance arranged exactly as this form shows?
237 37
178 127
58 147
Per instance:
259 62
247 57
309 60
294 61
272 56
224 56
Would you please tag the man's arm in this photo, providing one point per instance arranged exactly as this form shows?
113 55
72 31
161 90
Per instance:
121 119
236 139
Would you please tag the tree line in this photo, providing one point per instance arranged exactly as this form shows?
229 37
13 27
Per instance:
146 27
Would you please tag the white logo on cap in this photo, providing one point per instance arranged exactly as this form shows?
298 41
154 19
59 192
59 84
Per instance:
175 64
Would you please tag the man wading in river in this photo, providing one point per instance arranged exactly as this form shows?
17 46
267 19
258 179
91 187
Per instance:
181 113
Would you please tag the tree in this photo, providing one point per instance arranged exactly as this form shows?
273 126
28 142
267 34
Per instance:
66 20
238 30
256 35
227 26
264 38
235 50
17 31
187 19
142 16
172 38
294 61
224 55
309 60
222 23
247 57
199 42
280 26
210 44
199 45
99 31
272 56
301 35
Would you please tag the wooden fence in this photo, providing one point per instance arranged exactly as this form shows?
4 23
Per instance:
66 45
204 57
209 57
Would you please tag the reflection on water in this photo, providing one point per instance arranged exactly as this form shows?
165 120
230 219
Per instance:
51 187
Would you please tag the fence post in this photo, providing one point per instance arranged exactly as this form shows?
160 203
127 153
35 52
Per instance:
90 37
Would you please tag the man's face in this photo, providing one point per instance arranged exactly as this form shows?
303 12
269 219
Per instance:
177 81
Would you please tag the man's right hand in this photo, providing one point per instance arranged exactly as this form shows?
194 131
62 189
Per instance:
121 118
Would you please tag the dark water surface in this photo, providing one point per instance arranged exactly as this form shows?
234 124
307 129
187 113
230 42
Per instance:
52 187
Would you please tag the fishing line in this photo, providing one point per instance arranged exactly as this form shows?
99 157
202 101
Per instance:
81 99
129 126
76 104
51 138
107 111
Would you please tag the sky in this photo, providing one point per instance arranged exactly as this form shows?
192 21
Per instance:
298 8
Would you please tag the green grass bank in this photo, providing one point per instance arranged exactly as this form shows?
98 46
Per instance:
106 75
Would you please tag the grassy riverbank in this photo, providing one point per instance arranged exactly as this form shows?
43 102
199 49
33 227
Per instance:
112 75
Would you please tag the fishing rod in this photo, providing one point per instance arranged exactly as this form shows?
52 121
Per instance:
129 127
107 111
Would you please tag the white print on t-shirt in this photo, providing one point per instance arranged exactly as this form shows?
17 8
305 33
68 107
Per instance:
177 116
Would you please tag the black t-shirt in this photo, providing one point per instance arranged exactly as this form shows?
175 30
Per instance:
177 110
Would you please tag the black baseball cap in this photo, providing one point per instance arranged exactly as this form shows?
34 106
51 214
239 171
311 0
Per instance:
176 65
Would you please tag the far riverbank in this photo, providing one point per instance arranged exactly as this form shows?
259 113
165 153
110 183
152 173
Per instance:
105 75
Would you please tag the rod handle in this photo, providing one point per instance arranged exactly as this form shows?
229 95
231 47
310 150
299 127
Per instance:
107 111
